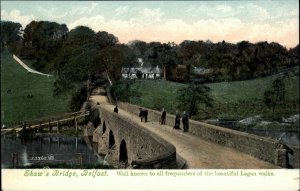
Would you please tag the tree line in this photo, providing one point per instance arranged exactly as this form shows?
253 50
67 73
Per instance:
78 55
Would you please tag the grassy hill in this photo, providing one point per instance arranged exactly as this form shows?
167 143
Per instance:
232 100
17 84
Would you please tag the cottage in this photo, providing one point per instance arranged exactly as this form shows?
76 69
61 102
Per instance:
141 71
146 72
199 70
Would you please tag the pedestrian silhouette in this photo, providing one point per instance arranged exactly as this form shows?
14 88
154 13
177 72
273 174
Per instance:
177 120
185 121
163 116
143 114
116 109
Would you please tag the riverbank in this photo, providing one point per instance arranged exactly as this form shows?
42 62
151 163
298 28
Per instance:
27 96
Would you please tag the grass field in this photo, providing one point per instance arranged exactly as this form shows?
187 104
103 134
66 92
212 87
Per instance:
17 84
232 100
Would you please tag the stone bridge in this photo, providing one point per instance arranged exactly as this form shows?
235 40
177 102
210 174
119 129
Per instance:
126 142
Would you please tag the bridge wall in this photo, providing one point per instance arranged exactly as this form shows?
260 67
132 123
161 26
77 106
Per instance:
260 147
144 149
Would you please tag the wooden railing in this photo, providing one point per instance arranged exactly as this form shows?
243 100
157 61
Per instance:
56 121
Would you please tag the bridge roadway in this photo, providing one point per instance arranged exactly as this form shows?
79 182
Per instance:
197 152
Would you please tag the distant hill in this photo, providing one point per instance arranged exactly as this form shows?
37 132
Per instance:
26 96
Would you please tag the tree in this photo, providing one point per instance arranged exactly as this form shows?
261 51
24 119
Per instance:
75 59
78 98
138 47
10 35
42 40
276 95
294 56
191 97
104 39
123 91
110 60
163 55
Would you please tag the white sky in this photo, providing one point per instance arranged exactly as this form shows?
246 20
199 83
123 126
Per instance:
173 21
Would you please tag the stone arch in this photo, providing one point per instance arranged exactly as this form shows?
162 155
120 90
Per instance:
111 139
104 128
123 156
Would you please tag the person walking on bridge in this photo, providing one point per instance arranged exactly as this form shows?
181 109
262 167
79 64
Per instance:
177 121
146 115
116 109
141 114
185 121
163 116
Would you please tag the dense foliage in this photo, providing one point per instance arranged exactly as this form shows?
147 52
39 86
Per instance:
123 91
191 97
276 94
10 35
78 55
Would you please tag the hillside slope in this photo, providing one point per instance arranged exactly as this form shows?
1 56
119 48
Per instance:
26 96
232 100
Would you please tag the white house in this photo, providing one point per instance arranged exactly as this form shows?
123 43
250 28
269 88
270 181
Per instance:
199 70
147 72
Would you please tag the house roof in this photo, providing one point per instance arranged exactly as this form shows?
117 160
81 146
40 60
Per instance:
142 69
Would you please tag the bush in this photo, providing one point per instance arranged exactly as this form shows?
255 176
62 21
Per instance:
123 91
78 98
27 133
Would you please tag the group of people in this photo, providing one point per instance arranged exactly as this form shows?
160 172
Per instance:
185 121
184 118
143 115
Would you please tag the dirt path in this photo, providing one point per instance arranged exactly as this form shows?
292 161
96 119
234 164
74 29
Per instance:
27 68
197 152
102 100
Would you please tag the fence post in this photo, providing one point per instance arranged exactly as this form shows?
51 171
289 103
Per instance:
57 124
80 159
17 159
76 143
75 123
13 159
50 127
40 128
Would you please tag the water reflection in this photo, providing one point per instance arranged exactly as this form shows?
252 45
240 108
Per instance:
68 151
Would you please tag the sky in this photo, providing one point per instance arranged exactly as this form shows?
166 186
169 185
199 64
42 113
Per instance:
169 21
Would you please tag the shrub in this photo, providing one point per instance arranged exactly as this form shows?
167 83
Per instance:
78 98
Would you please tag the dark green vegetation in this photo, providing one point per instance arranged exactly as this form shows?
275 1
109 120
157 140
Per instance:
192 97
81 57
216 62
276 94
231 100
77 54
16 87
124 91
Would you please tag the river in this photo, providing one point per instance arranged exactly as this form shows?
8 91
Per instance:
56 151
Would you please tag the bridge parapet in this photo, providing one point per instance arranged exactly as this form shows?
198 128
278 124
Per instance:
263 148
126 144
